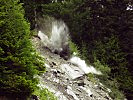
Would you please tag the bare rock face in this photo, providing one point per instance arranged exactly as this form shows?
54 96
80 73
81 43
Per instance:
67 80
65 53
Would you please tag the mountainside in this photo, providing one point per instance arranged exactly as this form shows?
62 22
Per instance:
66 50
59 79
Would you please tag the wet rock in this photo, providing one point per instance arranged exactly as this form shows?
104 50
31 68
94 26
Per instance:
55 74
106 98
51 65
65 53
81 84
63 80
47 66
70 71
91 95
54 64
58 71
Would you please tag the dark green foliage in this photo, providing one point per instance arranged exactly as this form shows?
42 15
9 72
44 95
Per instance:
102 29
109 52
73 48
33 9
44 94
18 60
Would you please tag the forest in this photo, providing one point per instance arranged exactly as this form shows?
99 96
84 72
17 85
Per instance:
101 30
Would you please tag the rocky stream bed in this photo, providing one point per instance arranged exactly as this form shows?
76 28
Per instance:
59 80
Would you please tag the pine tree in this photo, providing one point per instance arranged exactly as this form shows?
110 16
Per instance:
18 60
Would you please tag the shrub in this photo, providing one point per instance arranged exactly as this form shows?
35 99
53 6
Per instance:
44 94
103 68
18 60
73 48
84 52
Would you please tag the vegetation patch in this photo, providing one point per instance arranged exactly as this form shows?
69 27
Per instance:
44 94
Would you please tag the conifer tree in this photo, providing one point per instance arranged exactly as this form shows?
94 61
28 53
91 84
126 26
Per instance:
18 60
104 26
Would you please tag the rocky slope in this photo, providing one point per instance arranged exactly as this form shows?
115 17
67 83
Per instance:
65 86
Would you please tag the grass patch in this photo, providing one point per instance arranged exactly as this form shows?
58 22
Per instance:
44 94
105 79
74 48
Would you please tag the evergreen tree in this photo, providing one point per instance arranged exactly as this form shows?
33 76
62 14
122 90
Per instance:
103 28
18 60
33 9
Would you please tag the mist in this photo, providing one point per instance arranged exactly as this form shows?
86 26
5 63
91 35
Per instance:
57 41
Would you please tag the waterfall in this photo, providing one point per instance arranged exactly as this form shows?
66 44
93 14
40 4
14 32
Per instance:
59 37
58 40
69 75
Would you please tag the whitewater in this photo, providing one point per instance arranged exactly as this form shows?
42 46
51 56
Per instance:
67 79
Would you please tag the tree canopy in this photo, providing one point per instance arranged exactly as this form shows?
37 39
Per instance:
18 60
104 29
101 29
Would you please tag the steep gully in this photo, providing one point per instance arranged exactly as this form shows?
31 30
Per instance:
64 83
67 79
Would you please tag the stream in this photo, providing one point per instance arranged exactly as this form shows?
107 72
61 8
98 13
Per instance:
66 79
